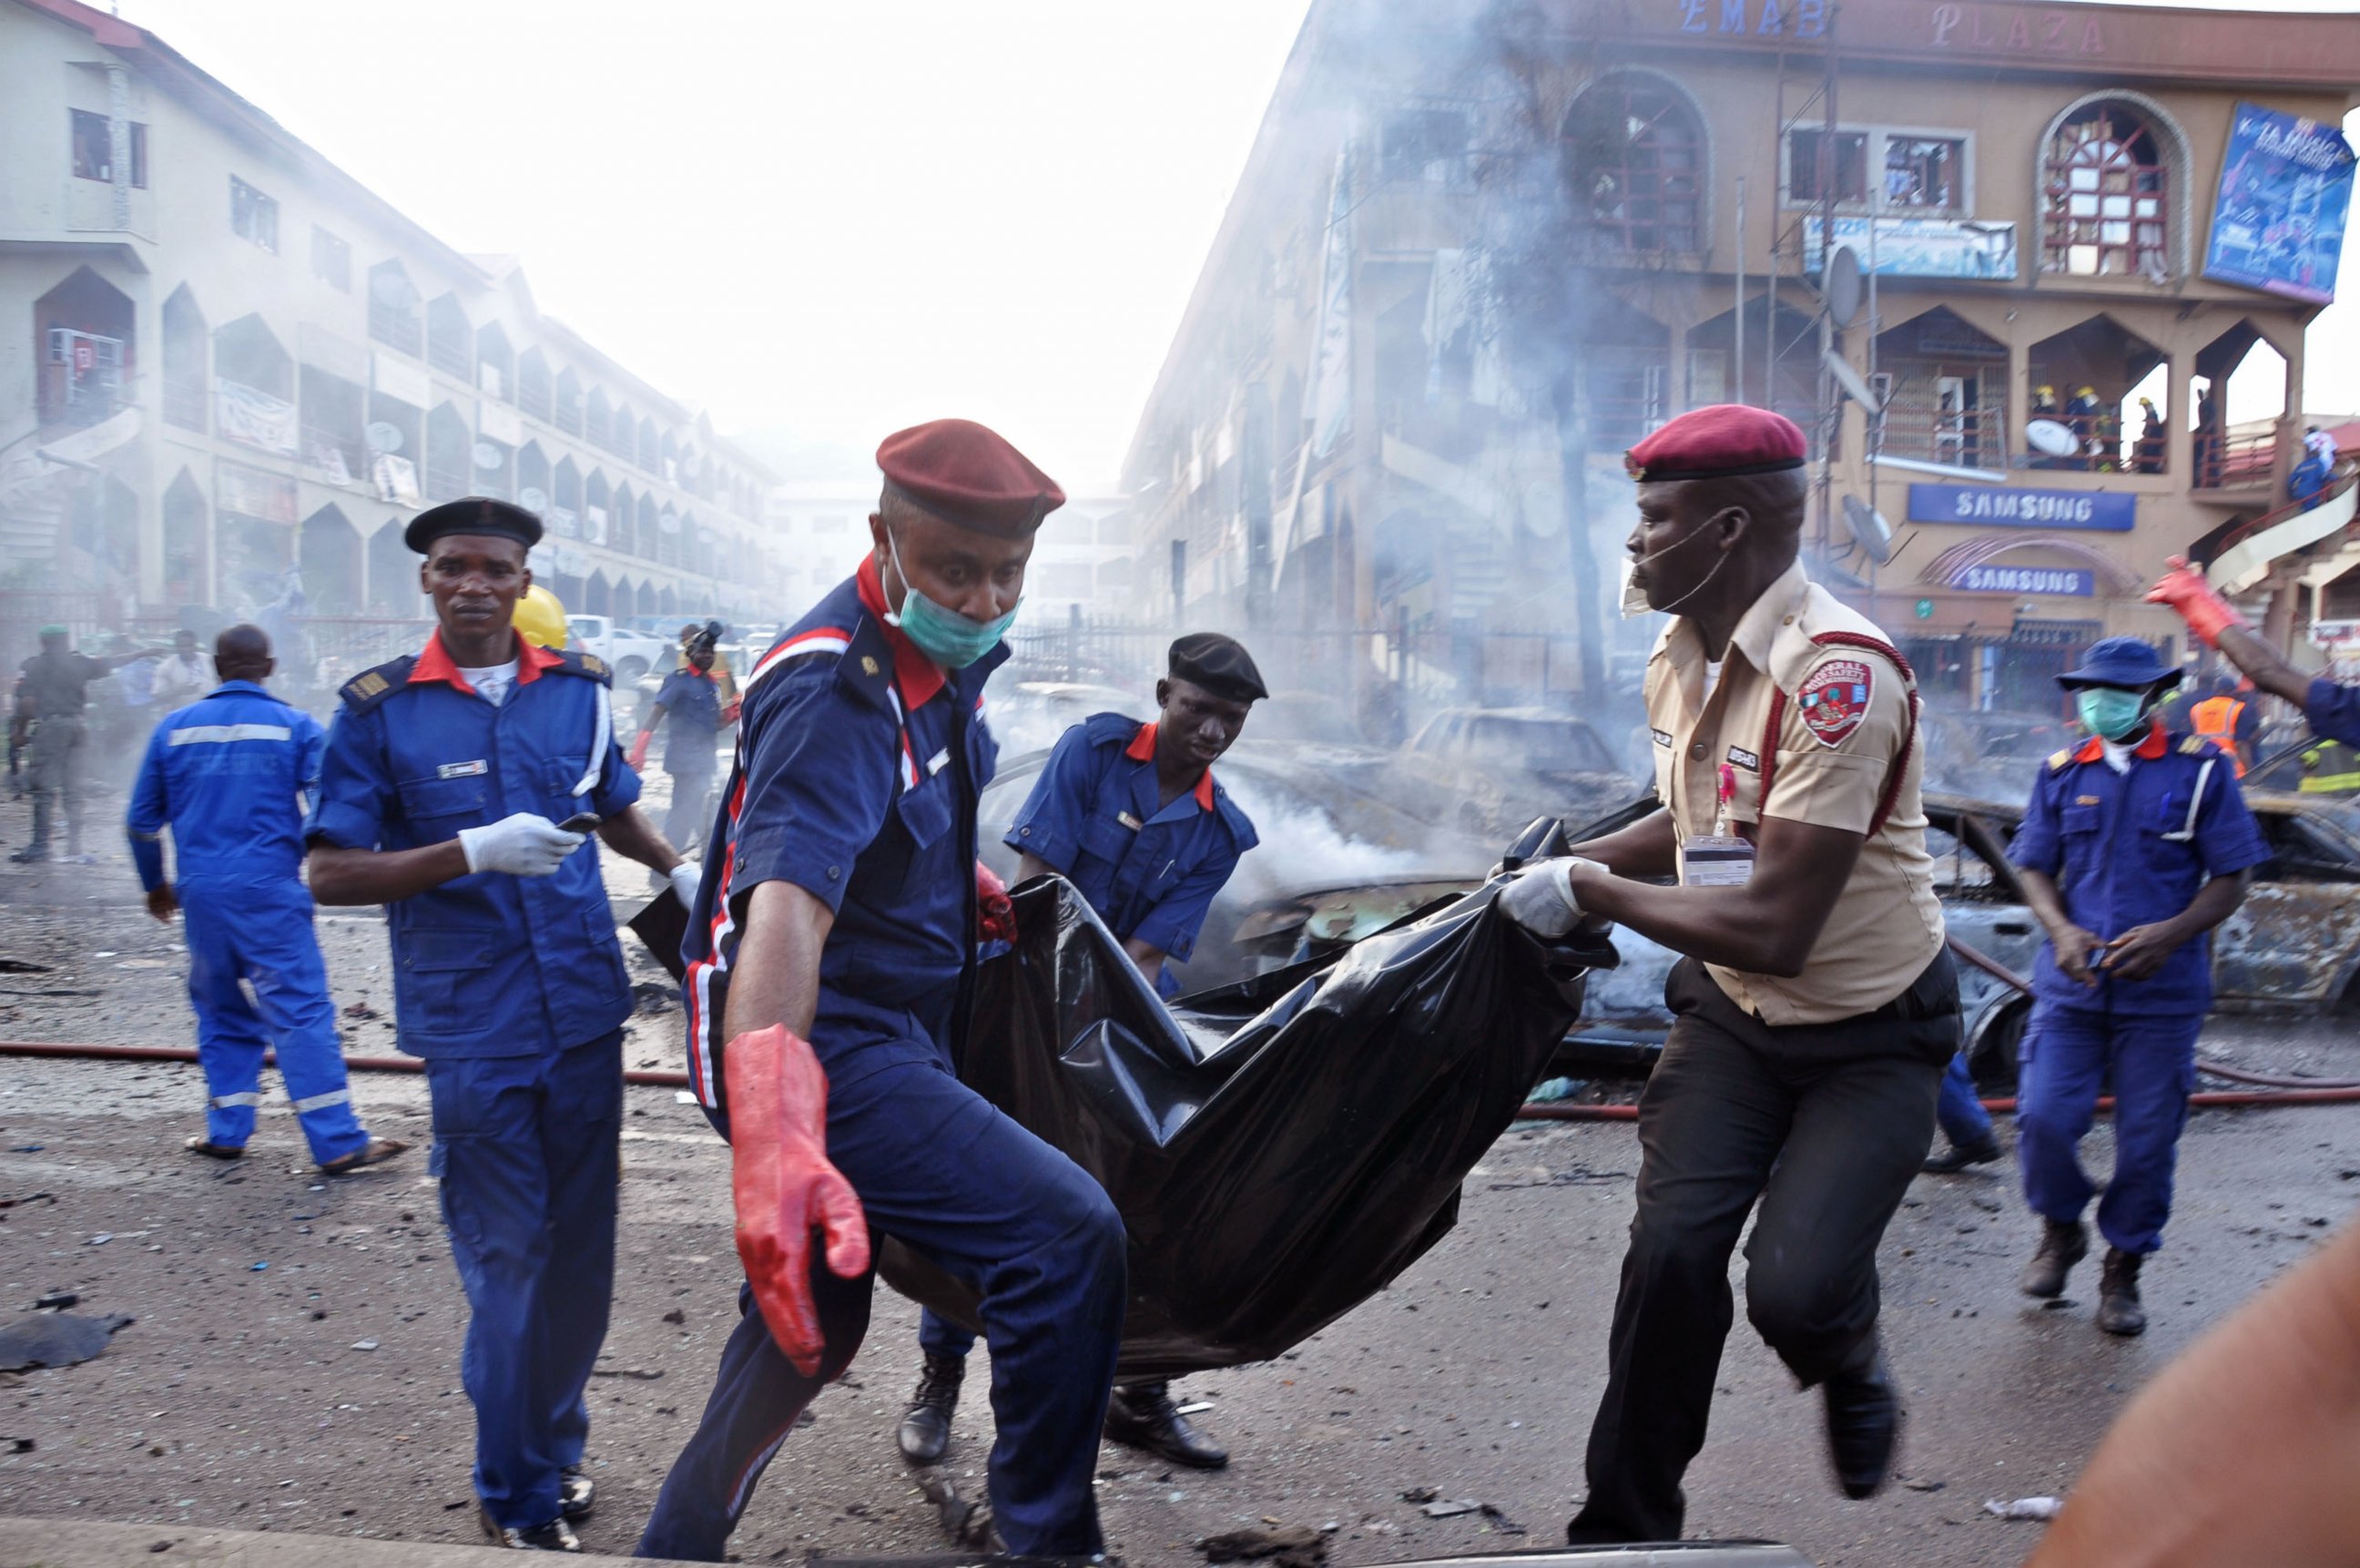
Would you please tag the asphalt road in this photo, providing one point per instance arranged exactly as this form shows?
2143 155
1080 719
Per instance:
238 1399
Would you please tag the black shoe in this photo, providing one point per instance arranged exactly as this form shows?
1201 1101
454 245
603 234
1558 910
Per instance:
926 1429
1957 1156
555 1536
1142 1416
577 1495
2063 1243
1863 1426
31 854
2119 1311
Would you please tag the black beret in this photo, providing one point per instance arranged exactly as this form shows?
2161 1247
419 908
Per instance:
1219 664
472 514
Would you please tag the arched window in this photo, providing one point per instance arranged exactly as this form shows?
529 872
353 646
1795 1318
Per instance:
1634 167
186 377
393 307
2105 194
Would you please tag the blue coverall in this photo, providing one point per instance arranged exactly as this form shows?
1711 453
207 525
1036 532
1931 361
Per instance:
513 991
691 701
229 774
859 764
1150 870
2125 849
2333 710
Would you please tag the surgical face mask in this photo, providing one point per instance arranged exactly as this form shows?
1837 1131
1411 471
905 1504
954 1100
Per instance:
1634 597
945 636
2109 712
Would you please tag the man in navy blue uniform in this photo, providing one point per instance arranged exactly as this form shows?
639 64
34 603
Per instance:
2133 848
453 784
832 953
1130 814
230 774
2331 708
689 707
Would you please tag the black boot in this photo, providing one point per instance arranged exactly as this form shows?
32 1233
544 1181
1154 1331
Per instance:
1957 1156
2119 1311
577 1495
2063 1243
927 1428
555 1536
1142 1416
1863 1410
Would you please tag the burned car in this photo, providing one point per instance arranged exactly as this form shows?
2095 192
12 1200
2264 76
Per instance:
1488 771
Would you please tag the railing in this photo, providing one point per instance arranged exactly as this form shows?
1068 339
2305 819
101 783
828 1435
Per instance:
1963 438
2235 462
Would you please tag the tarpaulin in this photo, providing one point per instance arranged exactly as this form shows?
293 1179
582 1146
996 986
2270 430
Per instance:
1279 1149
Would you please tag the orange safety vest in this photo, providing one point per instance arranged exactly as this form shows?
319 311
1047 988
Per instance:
2216 719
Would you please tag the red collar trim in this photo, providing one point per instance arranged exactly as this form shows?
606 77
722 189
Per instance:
1142 750
434 663
2156 744
918 676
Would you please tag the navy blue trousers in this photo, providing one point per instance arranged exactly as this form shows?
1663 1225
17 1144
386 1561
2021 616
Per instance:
940 1169
527 1148
1960 1109
261 933
2065 1058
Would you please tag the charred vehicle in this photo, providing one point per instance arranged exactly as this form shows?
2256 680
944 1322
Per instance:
1488 771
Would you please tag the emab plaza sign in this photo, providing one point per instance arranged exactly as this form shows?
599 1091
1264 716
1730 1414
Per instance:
2006 506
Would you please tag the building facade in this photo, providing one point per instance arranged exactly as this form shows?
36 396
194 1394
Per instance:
234 368
1478 251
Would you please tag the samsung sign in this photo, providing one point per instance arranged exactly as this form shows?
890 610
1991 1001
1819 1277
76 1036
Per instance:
2107 511
2069 581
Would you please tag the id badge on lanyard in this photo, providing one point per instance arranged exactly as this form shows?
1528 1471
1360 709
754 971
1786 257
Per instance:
1719 859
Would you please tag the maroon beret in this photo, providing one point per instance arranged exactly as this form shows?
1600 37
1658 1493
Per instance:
1724 441
967 475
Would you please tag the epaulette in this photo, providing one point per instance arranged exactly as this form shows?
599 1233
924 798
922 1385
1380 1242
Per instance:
2059 763
2197 746
573 662
867 663
1111 729
372 687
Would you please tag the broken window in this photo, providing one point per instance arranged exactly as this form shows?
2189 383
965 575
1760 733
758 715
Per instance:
1922 173
252 215
1634 159
93 149
1845 171
2105 186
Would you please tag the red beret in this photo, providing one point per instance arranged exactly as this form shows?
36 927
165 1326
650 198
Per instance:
967 475
1724 441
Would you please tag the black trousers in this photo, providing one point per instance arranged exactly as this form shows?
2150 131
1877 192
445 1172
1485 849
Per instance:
1825 1125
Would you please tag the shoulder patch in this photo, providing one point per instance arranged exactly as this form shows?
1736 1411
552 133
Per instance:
372 687
2059 761
864 663
1834 699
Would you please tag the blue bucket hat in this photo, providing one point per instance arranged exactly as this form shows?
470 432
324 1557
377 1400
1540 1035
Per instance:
2131 662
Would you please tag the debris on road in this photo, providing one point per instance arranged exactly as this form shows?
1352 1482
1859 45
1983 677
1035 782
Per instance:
363 1345
2025 1508
57 1302
967 1524
1450 1509
1283 1546
55 1339
1420 1494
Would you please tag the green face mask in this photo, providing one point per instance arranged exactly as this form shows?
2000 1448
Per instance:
943 634
2109 712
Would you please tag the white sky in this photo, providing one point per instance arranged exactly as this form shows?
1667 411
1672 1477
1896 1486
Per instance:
829 219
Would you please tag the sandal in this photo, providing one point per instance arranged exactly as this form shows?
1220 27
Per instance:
375 1152
214 1151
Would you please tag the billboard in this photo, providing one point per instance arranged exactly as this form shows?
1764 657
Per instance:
1921 247
2111 511
2284 195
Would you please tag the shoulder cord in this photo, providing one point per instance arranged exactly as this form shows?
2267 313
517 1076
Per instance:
1897 772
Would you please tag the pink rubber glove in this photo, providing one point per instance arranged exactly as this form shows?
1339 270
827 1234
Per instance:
783 1187
637 755
995 915
2185 590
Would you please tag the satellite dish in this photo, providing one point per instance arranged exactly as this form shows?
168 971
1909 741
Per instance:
1839 286
1855 386
2050 438
384 437
1869 529
532 499
488 457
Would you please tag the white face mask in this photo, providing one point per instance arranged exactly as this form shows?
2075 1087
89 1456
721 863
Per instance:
1634 597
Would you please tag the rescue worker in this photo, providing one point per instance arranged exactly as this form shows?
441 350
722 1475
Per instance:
2332 709
2081 417
20 733
2328 767
2131 850
453 781
184 674
2227 722
1816 1006
830 959
230 775
57 687
688 706
2148 453
1129 812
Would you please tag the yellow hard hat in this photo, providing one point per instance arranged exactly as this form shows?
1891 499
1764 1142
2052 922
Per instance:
2046 390
2086 392
540 620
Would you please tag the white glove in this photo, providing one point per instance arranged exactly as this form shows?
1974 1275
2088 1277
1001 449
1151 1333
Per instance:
685 878
1541 898
526 844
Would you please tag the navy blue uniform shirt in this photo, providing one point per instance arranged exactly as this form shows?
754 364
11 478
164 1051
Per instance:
692 706
230 773
2132 848
1149 870
2333 710
487 964
858 766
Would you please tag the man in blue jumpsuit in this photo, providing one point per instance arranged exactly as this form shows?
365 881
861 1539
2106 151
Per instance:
839 926
229 774
1129 814
2331 708
447 777
2133 848
689 707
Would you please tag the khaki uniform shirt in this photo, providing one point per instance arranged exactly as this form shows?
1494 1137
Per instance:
1826 724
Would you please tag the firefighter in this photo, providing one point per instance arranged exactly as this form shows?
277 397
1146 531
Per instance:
56 687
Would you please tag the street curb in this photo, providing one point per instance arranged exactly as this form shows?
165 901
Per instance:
78 1543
